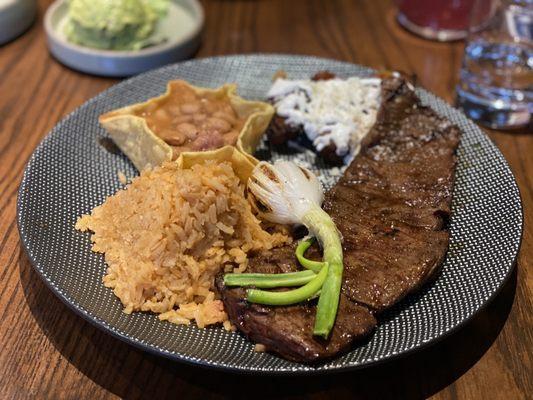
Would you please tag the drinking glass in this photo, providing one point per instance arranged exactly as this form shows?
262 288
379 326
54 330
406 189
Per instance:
496 78
441 20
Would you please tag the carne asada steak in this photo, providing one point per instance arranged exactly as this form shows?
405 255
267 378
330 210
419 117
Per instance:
289 330
391 207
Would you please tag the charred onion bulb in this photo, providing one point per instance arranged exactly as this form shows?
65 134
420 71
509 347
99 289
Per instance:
286 193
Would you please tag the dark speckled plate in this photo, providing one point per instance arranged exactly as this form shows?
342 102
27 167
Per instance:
71 172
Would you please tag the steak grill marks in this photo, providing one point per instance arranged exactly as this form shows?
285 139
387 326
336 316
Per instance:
391 207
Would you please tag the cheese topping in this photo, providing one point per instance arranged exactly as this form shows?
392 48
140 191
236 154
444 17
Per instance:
337 111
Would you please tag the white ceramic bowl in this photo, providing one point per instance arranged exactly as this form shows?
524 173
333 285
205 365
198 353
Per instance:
15 17
182 27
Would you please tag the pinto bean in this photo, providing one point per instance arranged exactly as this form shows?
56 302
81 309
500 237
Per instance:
226 107
173 137
218 124
190 108
189 130
226 116
181 118
210 141
199 117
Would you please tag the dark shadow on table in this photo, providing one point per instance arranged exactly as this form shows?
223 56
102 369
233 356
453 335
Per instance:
131 373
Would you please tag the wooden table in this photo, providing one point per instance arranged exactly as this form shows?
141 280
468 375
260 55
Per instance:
49 352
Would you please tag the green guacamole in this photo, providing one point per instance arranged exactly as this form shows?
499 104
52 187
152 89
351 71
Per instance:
114 24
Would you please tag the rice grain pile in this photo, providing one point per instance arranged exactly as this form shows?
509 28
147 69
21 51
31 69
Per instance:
167 234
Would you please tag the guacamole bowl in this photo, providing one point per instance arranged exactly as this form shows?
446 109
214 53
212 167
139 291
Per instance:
176 37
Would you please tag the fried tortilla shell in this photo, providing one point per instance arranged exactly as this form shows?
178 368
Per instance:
242 164
144 148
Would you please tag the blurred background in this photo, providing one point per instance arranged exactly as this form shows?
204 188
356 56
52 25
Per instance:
475 53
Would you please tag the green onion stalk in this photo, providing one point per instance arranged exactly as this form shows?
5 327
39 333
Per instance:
286 193
303 293
300 255
269 281
321 225
289 279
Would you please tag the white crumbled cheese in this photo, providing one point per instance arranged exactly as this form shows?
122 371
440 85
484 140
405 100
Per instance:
338 111
335 171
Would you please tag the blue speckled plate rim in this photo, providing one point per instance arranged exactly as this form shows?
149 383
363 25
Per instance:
100 324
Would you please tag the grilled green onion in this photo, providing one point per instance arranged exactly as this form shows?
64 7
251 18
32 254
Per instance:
329 237
288 194
300 252
267 281
294 296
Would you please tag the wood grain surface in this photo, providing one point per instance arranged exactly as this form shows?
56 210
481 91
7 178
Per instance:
49 352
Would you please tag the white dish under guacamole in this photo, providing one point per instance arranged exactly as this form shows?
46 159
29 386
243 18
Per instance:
158 39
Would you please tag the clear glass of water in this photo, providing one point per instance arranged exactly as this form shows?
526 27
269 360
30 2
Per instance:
496 79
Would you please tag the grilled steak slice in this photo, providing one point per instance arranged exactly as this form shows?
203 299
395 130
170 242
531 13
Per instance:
289 330
279 132
391 207
393 202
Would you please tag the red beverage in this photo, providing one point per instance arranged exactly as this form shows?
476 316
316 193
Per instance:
436 19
